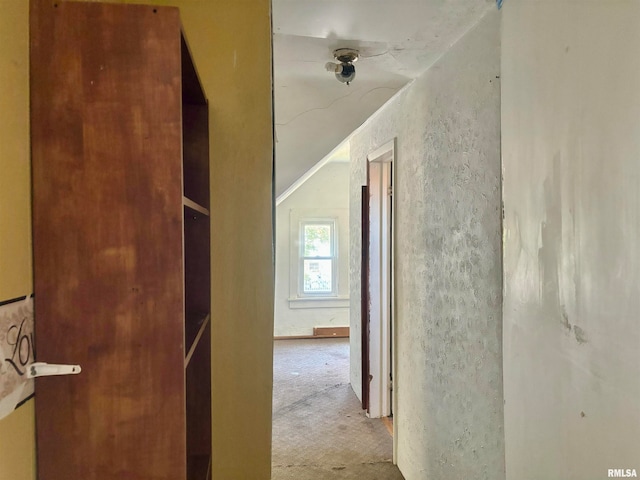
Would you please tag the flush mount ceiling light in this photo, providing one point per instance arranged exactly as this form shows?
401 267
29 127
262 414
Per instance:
345 70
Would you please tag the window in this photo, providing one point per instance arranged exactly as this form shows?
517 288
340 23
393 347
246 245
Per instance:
318 258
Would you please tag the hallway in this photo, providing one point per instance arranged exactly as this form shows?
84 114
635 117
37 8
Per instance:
319 429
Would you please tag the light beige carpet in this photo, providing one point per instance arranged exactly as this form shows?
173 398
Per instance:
319 429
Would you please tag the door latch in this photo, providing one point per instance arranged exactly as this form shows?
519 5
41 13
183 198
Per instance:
42 369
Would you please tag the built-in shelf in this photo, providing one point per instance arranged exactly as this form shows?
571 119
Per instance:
194 344
187 202
137 56
199 467
197 270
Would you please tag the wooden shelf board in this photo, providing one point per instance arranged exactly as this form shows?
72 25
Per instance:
194 345
187 202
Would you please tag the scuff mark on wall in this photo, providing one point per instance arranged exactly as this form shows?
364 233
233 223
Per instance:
580 334
565 318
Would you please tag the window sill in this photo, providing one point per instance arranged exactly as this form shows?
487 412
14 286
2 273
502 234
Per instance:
319 302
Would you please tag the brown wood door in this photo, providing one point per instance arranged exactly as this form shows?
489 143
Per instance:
364 304
107 239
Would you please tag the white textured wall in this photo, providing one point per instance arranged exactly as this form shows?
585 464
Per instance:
571 154
326 191
448 261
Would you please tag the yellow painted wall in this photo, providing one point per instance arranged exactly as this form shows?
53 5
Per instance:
17 441
231 43
15 205
17 444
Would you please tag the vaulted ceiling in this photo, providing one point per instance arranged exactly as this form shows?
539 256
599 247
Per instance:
397 41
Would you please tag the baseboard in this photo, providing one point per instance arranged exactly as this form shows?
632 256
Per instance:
319 332
388 422
340 332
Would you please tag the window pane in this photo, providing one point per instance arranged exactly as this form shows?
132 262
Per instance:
317 240
317 276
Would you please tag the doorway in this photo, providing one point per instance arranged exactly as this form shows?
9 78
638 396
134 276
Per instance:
319 429
378 328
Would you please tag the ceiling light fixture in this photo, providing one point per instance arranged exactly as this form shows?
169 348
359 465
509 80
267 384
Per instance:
345 71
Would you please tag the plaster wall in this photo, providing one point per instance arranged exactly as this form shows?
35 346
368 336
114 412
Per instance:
448 412
570 143
326 193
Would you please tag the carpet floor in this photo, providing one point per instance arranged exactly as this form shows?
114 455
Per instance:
319 428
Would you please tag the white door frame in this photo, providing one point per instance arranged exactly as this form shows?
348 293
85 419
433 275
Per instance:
381 328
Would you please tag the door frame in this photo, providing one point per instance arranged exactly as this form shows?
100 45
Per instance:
381 351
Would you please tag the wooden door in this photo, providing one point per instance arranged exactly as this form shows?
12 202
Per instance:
107 239
364 300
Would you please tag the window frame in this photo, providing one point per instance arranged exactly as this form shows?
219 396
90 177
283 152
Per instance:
333 225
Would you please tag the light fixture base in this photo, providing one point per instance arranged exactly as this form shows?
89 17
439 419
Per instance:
346 55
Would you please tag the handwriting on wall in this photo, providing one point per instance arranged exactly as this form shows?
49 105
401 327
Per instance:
17 351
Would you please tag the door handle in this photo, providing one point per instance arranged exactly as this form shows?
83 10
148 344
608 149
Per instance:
42 369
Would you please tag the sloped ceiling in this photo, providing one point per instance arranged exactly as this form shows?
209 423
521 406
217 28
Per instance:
397 40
